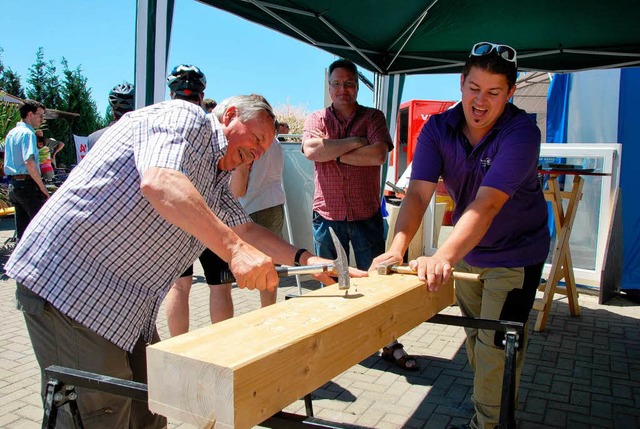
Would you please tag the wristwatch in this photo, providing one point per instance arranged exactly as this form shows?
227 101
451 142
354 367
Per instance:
296 259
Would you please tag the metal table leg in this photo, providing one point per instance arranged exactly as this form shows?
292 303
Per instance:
513 331
57 395
507 403
61 390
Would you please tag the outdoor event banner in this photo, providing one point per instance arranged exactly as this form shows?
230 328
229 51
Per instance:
81 146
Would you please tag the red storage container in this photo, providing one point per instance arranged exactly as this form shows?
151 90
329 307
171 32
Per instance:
412 115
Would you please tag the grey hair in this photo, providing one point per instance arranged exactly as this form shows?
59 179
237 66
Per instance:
249 107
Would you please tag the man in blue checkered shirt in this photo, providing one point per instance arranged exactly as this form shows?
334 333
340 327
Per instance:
96 262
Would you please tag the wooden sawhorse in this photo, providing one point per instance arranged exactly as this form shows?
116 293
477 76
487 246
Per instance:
561 264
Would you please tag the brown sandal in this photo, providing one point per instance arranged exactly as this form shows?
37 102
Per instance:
405 362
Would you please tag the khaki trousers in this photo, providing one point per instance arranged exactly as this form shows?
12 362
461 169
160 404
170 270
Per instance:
271 218
58 340
505 294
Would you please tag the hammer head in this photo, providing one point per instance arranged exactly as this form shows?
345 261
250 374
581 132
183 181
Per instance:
385 269
341 264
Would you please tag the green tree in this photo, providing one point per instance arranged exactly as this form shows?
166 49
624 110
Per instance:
69 93
10 83
10 80
44 86
108 117
76 98
9 117
44 82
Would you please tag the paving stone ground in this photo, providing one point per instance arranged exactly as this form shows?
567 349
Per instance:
581 372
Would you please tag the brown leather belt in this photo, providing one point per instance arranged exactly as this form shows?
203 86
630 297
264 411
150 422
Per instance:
20 177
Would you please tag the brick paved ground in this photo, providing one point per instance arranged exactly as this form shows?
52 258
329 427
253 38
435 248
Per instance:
580 373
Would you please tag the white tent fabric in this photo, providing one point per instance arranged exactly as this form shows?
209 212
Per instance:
153 34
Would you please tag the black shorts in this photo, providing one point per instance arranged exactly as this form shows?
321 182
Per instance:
212 266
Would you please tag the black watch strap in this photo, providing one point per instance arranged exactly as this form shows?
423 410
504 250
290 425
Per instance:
296 259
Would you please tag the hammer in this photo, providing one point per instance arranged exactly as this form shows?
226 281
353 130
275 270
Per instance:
340 266
386 269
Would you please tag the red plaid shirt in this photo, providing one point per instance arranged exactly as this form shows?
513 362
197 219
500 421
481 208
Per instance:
342 191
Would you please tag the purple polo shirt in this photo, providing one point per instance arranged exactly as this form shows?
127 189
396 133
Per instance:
505 159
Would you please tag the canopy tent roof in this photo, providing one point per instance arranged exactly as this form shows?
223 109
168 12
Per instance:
435 36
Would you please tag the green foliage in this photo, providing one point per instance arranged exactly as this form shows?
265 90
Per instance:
45 87
11 84
108 117
44 82
10 80
9 117
69 92
77 99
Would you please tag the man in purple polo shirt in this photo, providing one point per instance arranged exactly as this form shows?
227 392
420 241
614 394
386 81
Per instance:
486 151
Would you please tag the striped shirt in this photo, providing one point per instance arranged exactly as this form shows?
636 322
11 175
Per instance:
98 251
343 191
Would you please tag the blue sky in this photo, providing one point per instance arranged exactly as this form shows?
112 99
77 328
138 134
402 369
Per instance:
238 57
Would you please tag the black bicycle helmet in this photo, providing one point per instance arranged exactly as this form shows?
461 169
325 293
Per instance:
122 99
186 79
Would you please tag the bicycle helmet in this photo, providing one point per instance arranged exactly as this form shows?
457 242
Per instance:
121 98
186 80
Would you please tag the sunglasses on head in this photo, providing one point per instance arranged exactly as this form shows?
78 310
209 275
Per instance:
485 48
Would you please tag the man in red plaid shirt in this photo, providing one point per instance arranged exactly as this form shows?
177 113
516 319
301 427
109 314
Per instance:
348 143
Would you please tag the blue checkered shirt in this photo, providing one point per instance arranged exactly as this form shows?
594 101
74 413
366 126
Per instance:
98 251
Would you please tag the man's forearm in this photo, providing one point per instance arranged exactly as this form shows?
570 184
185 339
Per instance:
370 155
322 150
467 233
264 240
267 242
408 221
175 198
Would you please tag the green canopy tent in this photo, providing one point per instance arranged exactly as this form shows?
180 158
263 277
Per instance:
435 36
418 37
394 39
398 38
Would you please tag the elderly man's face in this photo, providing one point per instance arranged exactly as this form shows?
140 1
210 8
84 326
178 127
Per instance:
247 141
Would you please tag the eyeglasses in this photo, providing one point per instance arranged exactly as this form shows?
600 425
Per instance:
485 48
346 85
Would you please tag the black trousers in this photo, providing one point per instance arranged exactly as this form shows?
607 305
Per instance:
27 199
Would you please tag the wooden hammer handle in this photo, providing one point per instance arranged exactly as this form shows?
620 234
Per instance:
466 276
405 269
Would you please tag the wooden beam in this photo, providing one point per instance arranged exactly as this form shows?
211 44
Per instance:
238 373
